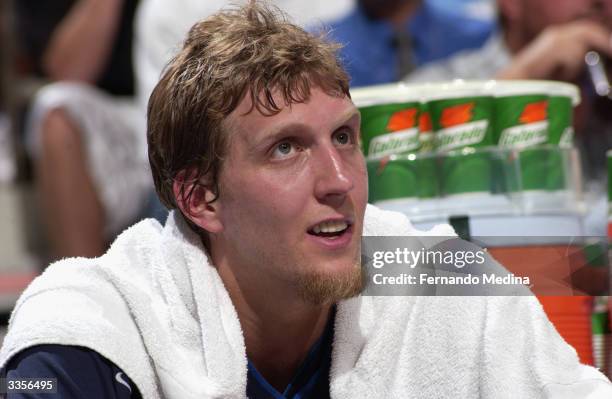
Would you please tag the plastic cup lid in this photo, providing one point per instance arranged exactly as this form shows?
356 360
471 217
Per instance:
386 94
505 88
566 90
457 89
403 92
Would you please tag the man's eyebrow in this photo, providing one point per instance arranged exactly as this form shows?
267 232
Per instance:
349 116
285 130
275 135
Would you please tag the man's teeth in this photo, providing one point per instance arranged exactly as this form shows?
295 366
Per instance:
329 227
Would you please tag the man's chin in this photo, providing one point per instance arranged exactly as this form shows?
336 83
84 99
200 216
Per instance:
325 287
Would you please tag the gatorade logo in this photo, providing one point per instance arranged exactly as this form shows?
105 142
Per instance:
403 136
402 120
394 143
461 136
534 112
458 130
457 115
533 129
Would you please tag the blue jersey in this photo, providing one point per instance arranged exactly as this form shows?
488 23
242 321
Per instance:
80 373
84 373
310 381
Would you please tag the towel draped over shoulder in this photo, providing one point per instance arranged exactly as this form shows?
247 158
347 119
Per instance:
156 307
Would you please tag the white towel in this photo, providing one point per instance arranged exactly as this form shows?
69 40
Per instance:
155 307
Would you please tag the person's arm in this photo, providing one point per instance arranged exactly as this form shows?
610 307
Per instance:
81 44
558 52
80 373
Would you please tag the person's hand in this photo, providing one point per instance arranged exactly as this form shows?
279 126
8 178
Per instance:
558 52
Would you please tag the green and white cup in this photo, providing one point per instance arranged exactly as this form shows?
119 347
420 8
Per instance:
462 115
426 132
390 118
563 97
402 177
534 117
609 161
427 165
521 123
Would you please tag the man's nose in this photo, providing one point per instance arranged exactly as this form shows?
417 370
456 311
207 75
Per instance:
333 177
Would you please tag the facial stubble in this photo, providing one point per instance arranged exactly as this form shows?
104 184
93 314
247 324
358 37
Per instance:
318 287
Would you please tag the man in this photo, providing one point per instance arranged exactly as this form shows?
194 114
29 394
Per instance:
84 130
538 40
384 40
251 288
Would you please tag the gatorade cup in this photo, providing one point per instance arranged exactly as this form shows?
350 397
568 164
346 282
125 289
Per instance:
426 134
390 139
563 97
461 114
602 335
389 119
395 177
533 117
428 172
609 159
521 123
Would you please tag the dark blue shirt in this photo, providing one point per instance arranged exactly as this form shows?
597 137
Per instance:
80 373
437 29
310 381
84 373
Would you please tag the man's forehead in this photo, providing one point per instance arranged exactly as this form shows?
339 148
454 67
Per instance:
250 118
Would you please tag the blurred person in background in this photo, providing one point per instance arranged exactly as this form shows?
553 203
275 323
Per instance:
538 39
161 26
544 39
84 132
7 150
385 40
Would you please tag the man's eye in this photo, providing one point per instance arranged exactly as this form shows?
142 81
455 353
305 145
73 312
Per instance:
283 149
342 138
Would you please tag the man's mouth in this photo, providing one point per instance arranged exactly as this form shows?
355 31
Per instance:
330 229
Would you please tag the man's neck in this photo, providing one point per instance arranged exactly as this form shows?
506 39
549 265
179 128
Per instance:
279 329
277 348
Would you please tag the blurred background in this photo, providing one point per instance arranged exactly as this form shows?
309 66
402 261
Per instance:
75 76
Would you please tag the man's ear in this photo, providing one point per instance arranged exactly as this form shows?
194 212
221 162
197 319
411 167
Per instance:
195 200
